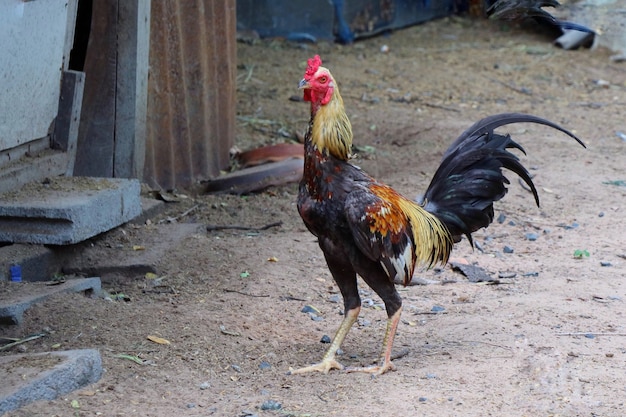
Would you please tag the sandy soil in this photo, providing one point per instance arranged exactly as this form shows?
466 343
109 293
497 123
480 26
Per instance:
548 340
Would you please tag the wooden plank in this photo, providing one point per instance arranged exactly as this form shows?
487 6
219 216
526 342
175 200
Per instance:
131 99
65 135
96 133
191 91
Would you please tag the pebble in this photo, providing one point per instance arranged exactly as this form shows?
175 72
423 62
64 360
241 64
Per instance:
271 405
511 223
437 309
531 236
530 274
236 368
264 365
501 218
325 339
315 317
507 274
431 376
309 309
335 298
368 302
508 249
204 385
601 214
422 399
590 336
605 263
191 405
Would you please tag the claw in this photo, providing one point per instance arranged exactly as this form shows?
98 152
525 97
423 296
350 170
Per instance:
375 370
324 366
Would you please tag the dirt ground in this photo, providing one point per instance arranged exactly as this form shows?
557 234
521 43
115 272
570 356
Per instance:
548 340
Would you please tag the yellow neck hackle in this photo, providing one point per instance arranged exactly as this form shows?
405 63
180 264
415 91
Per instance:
332 132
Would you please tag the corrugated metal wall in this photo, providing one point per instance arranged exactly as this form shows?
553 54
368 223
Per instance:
191 91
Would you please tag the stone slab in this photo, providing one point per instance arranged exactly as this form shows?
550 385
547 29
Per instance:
17 297
45 376
67 210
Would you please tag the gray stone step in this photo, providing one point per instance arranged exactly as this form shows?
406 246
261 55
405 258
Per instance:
67 210
45 376
18 297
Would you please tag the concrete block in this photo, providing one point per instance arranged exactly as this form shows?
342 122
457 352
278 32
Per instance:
45 376
21 296
38 262
67 210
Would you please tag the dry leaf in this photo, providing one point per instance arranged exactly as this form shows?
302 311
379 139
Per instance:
159 340
272 259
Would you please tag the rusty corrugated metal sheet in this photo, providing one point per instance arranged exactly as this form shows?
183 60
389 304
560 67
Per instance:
191 91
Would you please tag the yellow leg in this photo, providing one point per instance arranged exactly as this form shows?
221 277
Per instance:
384 363
328 361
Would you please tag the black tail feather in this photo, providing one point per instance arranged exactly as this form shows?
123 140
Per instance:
470 178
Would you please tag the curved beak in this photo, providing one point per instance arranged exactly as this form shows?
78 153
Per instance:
304 84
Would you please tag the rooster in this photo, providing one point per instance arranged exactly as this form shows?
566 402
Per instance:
368 229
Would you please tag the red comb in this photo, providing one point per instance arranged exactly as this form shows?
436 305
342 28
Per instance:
313 65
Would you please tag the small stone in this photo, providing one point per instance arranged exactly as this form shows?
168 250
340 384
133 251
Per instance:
605 263
422 399
437 309
236 368
511 223
590 336
191 405
506 274
501 218
309 309
204 385
601 214
508 249
530 274
325 339
335 298
271 405
431 376
531 236
264 365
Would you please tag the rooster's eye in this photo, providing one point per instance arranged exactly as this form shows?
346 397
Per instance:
323 79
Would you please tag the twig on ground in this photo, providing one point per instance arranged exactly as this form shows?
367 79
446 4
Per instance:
213 227
180 216
245 293
24 340
522 90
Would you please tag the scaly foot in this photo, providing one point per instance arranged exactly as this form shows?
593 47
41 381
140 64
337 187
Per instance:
324 366
375 370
